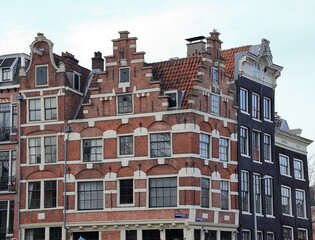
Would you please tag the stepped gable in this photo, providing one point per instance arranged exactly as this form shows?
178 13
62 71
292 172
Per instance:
177 74
229 55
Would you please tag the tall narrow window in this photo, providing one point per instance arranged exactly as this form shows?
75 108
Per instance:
244 191
285 200
269 196
50 108
244 141
215 104
50 194
204 147
33 195
126 191
76 81
163 192
125 104
131 234
270 236
6 74
34 110
256 146
126 145
302 234
6 218
255 106
267 147
41 75
34 145
205 192
90 195
160 145
243 103
50 149
215 76
267 108
224 149
172 100
284 165
224 196
55 233
287 233
14 118
5 121
124 75
92 150
245 235
300 203
298 169
257 197
7 169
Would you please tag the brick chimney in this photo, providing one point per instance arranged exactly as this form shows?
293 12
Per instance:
98 61
214 44
70 57
123 34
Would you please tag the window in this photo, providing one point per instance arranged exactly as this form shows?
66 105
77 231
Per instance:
36 113
224 149
171 234
7 121
152 234
6 218
126 191
50 108
300 203
267 108
215 104
126 145
243 100
92 150
245 235
245 191
35 234
125 104
214 75
285 200
41 75
131 234
90 195
287 233
244 141
257 197
298 169
224 196
163 192
6 74
160 145
76 81
47 154
302 234
259 235
270 236
124 75
48 199
204 145
269 196
256 146
7 169
255 106
55 233
267 147
205 192
284 165
172 100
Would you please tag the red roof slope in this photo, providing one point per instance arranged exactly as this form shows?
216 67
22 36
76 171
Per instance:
229 55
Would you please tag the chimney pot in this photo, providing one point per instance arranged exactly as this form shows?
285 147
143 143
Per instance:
98 61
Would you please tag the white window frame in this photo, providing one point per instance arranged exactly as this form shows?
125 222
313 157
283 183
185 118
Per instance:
304 203
37 66
133 193
119 145
47 231
167 93
305 230
290 200
255 106
227 149
209 145
243 101
267 109
7 70
270 233
269 179
246 141
287 167
247 192
256 149
209 193
269 147
42 194
292 232
82 149
257 180
132 104
42 108
120 76
228 194
42 149
77 195
262 235
215 74
302 169
215 104
171 144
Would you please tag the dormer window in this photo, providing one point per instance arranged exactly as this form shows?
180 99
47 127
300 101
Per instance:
6 74
172 100
124 75
41 75
76 81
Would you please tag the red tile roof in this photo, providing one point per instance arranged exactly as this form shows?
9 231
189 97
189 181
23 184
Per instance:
177 74
229 55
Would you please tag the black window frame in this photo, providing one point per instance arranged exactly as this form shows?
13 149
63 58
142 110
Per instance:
244 140
6 75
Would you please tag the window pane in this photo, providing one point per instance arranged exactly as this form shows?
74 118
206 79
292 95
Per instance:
34 195
243 100
223 149
41 75
126 145
34 145
50 149
205 192
50 109
215 104
35 234
92 150
50 191
34 110
160 145
90 195
204 145
163 192
124 74
126 191
125 104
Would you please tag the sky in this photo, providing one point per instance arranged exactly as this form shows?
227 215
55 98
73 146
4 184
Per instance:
84 27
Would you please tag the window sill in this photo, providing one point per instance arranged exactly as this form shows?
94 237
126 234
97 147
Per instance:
270 216
287 215
284 175
267 161
244 112
244 155
257 119
268 120
256 161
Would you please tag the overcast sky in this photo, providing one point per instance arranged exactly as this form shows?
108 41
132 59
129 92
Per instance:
83 27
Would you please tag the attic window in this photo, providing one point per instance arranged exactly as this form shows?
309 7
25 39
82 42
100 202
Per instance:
41 75
172 100
124 75
214 75
76 81
6 74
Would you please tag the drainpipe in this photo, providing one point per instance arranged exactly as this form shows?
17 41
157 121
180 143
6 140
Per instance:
67 131
20 98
